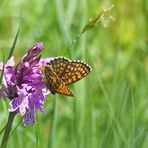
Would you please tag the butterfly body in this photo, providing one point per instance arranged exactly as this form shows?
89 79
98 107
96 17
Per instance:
61 72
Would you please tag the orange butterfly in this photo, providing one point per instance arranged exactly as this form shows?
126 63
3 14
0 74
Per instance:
60 72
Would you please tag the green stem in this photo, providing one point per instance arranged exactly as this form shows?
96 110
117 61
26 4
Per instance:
8 129
52 138
2 130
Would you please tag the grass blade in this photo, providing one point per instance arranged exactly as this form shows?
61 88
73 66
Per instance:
37 135
1 77
52 137
15 40
2 130
15 128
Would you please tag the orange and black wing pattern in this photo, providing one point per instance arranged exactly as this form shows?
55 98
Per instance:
60 72
58 65
75 71
53 82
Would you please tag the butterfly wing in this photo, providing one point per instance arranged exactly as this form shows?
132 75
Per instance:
58 64
75 71
64 90
53 82
61 72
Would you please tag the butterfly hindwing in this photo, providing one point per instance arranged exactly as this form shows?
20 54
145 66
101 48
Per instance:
53 82
63 89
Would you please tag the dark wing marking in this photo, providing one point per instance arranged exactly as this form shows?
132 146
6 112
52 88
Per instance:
75 71
58 64
53 82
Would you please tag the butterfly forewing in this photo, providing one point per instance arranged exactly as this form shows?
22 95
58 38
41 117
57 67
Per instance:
58 65
75 71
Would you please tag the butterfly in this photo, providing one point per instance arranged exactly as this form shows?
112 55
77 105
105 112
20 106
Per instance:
61 72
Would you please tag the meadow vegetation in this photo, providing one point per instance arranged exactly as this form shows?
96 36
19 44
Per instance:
110 107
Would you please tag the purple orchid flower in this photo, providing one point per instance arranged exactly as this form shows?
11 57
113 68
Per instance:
23 84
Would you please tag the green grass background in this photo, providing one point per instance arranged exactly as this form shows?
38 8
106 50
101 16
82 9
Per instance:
110 107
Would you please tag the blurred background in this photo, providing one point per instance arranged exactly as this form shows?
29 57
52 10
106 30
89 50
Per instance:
110 107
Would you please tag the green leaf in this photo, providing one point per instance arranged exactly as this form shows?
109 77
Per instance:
1 77
15 40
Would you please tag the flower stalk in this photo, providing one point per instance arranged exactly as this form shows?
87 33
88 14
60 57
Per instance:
100 18
8 129
23 84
